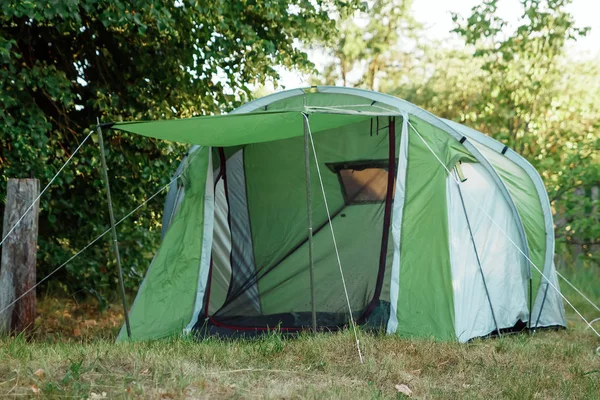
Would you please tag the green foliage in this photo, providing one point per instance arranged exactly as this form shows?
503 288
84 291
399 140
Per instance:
543 105
64 63
376 39
520 65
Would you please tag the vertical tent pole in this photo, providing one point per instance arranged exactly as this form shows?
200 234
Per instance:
531 299
541 308
113 229
310 226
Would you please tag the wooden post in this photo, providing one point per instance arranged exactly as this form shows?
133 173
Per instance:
17 269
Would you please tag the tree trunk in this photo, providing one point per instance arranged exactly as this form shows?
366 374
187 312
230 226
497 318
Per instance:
17 267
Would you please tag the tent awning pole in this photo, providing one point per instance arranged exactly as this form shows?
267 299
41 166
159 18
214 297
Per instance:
310 227
113 229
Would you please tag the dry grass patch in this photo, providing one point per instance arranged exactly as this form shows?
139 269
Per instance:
547 365
69 356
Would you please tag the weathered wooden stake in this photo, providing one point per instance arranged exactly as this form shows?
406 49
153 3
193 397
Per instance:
17 269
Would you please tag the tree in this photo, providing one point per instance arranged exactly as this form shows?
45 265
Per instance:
541 104
63 63
371 43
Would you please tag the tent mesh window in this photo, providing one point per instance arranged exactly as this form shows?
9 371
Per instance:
363 182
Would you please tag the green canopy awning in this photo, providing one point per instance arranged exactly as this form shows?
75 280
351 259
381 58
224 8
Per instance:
240 129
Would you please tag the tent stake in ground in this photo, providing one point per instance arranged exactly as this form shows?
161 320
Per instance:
113 229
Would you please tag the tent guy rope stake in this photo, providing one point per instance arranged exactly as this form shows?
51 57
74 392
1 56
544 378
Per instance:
113 229
337 253
508 237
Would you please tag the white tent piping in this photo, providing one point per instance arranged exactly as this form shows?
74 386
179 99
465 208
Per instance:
397 214
206 248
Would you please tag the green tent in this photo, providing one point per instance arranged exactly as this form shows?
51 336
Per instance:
439 230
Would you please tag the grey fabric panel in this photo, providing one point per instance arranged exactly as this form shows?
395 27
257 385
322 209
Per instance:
554 305
174 197
221 251
242 252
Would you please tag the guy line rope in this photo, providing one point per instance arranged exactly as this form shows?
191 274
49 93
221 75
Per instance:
45 188
90 244
579 291
337 254
509 239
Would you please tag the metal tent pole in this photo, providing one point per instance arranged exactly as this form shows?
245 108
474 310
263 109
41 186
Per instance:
310 226
541 308
113 229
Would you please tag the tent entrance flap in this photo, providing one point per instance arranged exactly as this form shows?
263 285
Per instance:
274 178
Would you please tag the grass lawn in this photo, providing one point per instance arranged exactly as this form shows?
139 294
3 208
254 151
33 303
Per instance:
72 354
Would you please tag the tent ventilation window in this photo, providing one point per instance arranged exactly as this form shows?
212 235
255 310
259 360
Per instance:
459 172
363 182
